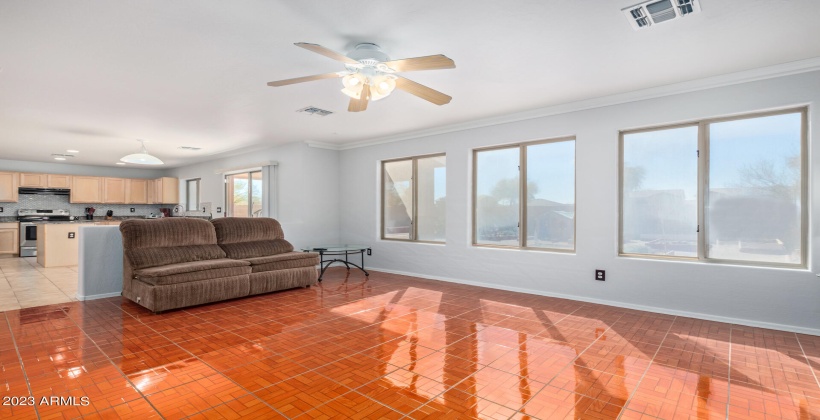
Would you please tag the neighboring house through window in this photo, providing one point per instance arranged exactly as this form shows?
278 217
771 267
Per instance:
536 214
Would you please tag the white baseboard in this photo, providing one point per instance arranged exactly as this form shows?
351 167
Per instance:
666 311
102 296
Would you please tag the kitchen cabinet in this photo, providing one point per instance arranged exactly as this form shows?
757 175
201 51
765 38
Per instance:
9 238
58 181
166 190
86 189
29 180
55 247
136 191
114 190
9 182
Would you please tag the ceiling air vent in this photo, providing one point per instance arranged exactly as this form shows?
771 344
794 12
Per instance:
312 110
658 11
190 148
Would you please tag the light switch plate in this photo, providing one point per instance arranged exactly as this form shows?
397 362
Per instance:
71 235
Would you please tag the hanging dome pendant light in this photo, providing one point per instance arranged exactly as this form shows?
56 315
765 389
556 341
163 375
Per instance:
142 158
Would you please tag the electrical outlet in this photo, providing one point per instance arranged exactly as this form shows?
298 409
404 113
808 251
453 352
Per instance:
132 210
600 275
203 209
219 209
71 235
1 209
369 251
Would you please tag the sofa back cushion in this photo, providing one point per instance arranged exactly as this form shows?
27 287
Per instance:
152 243
242 237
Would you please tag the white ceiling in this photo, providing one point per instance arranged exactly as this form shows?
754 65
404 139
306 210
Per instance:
96 75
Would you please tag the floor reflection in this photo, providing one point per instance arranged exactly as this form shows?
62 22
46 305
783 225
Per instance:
390 346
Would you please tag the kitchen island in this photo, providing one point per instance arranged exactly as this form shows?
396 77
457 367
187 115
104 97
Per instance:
57 242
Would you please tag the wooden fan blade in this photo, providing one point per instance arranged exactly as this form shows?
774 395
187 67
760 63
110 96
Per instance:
326 52
306 79
357 105
422 91
430 62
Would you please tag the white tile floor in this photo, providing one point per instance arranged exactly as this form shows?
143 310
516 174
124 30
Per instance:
24 283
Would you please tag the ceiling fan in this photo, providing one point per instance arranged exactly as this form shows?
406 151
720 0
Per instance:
370 74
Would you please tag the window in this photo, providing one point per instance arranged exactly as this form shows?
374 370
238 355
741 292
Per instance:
414 192
192 195
718 190
243 194
539 213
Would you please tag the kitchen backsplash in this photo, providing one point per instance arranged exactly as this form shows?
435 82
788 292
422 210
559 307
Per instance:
52 202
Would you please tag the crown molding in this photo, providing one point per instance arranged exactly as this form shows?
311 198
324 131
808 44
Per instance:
762 73
322 145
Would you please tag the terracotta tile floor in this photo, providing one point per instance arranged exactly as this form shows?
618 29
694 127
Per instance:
393 347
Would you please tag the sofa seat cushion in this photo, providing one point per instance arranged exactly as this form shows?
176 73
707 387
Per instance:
283 261
192 271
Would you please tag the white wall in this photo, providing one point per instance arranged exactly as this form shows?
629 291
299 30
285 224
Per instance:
779 298
87 170
307 182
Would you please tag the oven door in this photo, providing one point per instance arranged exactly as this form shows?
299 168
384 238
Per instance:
28 235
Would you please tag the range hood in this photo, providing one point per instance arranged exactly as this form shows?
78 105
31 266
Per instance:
44 191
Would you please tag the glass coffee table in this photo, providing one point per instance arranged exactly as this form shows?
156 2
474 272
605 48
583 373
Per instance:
335 252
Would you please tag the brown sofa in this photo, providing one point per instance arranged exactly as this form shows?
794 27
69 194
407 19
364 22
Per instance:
177 262
261 243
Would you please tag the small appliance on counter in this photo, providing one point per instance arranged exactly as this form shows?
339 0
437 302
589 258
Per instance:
152 216
166 212
89 213
109 214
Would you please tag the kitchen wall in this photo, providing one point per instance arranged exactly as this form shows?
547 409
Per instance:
305 196
780 298
87 170
33 201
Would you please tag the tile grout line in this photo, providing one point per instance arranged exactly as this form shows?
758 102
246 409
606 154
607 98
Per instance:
207 364
571 363
114 364
638 384
808 362
22 366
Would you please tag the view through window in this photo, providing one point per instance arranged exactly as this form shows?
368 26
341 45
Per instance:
750 175
545 203
414 192
192 194
243 194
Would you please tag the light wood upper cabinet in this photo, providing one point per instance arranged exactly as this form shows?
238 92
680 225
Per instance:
33 180
136 191
86 189
8 186
58 181
9 238
114 190
166 190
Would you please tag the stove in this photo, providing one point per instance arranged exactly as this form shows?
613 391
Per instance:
28 228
